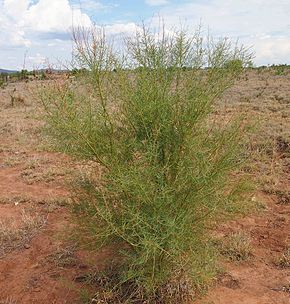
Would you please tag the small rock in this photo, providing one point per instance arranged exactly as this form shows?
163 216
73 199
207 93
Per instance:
81 278
83 266
26 246
229 281
55 275
37 290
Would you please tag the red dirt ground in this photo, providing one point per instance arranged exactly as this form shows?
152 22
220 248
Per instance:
259 280
28 276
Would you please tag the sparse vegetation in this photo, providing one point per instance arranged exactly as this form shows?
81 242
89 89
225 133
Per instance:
280 69
14 236
64 257
2 83
16 99
8 300
236 247
284 260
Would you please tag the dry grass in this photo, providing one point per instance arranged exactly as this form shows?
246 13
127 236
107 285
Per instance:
8 300
16 235
63 257
284 260
110 292
237 247
49 203
15 200
47 174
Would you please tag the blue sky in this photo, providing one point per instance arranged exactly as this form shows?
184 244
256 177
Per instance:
38 30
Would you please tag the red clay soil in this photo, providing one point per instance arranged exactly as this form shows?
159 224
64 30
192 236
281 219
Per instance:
259 280
28 275
11 185
25 277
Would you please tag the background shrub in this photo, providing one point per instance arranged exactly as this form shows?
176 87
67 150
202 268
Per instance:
143 115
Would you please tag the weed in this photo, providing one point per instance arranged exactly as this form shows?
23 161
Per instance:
3 81
11 162
237 247
282 195
144 119
13 236
63 257
286 288
85 296
50 174
16 99
284 260
8 300
32 164
280 70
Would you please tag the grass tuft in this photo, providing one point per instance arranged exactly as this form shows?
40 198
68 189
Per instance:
14 236
237 247
284 260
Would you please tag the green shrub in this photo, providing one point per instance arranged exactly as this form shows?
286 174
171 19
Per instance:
3 80
144 117
280 69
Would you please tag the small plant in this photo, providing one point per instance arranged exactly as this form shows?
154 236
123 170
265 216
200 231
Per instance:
286 288
237 247
64 257
144 118
284 260
16 99
3 80
280 69
2 83
8 300
12 237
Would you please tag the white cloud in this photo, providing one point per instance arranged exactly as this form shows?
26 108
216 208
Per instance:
90 5
10 33
249 21
19 19
156 2
15 8
37 60
42 26
122 28
32 25
53 16
272 50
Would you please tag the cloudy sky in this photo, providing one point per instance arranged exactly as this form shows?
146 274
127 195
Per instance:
38 30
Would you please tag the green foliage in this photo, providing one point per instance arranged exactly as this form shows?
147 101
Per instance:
145 118
24 74
2 83
3 80
78 72
280 69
